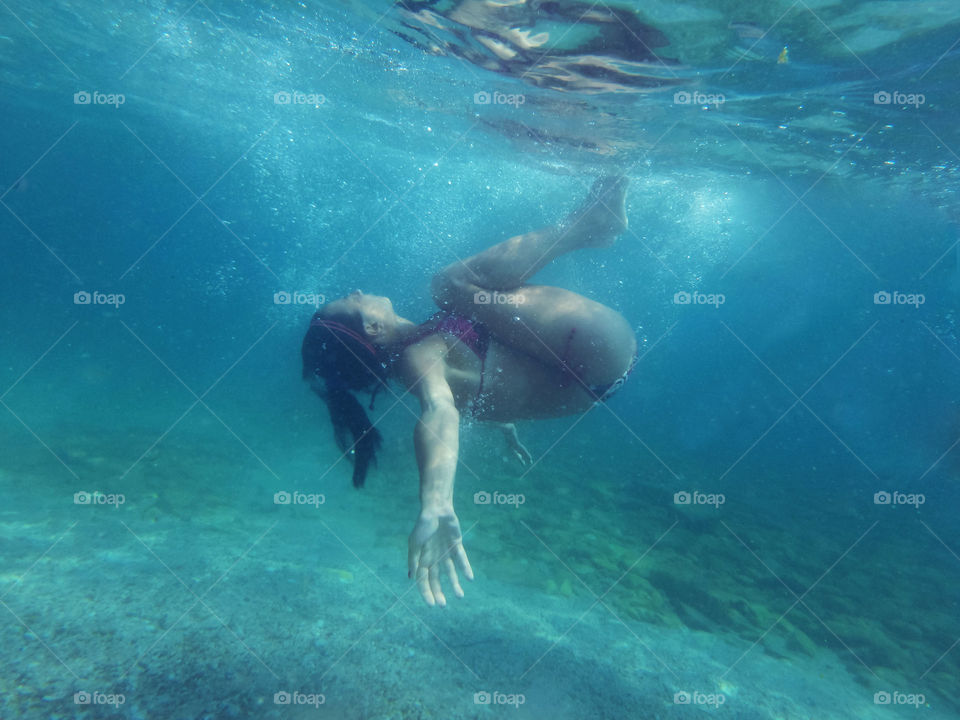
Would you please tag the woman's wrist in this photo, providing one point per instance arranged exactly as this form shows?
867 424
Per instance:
436 507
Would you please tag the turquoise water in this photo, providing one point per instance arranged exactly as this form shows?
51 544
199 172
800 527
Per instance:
791 271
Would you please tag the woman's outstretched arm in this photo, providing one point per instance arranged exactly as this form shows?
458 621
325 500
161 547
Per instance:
436 543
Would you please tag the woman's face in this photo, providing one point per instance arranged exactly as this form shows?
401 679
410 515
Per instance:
373 314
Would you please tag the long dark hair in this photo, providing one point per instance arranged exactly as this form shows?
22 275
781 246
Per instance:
340 361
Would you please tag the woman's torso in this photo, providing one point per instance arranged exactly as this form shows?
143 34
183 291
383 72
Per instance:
505 385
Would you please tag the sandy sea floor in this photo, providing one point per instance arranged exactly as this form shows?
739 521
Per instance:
199 596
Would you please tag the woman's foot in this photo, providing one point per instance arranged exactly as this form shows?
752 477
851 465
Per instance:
602 217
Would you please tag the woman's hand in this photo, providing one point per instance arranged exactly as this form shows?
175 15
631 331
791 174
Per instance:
513 442
436 546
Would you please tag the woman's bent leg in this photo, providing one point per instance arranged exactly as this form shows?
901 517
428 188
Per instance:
511 263
583 339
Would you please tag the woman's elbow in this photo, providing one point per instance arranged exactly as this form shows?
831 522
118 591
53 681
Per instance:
448 287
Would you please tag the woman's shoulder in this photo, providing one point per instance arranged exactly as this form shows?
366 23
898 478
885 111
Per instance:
425 356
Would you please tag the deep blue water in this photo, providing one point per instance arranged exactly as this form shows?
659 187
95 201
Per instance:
793 190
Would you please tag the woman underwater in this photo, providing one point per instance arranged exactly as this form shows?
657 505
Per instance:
554 352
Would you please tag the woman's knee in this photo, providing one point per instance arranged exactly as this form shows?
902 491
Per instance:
450 289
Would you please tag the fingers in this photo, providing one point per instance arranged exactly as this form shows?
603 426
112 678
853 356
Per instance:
413 552
419 570
460 555
428 580
522 454
452 575
428 576
435 587
423 585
